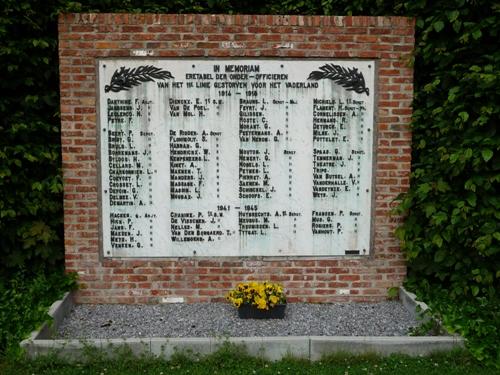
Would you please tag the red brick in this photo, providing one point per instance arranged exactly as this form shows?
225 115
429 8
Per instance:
304 263
328 263
306 46
338 270
219 37
219 53
349 277
136 278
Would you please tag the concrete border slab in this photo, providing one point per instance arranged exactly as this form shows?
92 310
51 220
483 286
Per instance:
414 346
138 347
270 348
71 350
57 311
190 346
414 307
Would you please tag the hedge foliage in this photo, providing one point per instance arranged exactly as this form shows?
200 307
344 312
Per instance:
30 181
452 232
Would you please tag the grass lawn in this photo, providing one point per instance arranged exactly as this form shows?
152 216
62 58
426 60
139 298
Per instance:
233 361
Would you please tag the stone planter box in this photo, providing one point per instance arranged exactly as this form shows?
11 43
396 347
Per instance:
252 312
272 348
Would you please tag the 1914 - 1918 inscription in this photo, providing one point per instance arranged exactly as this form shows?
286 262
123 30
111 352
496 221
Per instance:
236 157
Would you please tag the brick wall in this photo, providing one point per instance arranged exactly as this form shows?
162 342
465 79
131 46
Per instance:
85 37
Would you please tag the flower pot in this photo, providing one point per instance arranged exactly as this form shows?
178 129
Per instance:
252 312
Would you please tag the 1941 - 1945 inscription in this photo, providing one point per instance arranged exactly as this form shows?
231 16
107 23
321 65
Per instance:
236 157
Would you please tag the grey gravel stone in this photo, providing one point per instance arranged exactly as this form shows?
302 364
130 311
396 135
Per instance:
221 320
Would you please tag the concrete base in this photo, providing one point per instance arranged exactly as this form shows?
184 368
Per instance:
271 348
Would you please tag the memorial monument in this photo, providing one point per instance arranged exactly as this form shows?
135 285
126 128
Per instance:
203 150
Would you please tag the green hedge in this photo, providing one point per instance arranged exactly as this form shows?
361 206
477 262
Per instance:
452 232
30 181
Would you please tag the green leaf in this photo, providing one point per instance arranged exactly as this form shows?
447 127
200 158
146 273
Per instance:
472 199
453 15
453 93
438 26
437 240
423 189
487 154
429 209
442 186
37 186
468 153
470 185
439 218
475 290
439 256
464 116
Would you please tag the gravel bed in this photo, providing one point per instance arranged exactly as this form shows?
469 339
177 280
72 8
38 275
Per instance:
221 319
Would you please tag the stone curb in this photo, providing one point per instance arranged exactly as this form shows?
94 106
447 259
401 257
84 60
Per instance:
271 348
57 311
414 307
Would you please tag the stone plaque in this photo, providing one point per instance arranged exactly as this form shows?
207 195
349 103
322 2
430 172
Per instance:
236 157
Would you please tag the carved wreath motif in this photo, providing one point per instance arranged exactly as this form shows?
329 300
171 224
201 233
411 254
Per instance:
349 78
126 78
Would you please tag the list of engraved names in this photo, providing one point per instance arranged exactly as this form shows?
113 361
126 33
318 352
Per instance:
236 157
